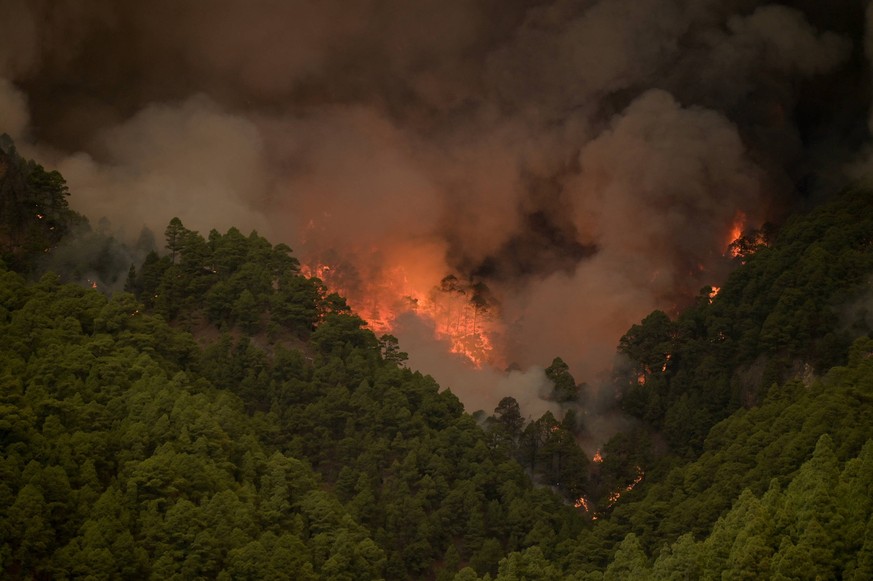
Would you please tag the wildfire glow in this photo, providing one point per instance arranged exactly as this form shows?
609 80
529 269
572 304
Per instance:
614 496
583 503
457 309
666 361
598 457
714 292
736 232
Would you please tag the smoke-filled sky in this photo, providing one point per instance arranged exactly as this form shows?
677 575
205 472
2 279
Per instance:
586 159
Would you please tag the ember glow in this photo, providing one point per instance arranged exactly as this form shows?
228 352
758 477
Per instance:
583 503
666 361
459 312
598 457
714 292
736 233
614 496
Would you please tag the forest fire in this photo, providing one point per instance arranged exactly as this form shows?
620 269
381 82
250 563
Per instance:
461 312
598 457
582 503
736 233
614 496
713 292
666 362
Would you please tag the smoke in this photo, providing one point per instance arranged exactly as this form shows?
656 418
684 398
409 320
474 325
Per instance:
350 180
14 116
187 159
862 166
478 389
585 160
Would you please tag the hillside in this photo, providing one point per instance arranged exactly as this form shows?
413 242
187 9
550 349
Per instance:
227 417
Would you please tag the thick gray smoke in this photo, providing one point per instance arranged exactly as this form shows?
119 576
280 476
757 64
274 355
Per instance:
586 160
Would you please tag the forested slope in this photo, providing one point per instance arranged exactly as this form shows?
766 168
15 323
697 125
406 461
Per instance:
228 417
785 311
287 442
742 385
125 455
694 517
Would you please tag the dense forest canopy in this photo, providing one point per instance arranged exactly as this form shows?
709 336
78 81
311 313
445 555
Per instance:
227 417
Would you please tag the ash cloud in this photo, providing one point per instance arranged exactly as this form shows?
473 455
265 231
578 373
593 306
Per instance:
584 159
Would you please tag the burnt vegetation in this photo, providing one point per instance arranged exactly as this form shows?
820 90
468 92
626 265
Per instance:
227 417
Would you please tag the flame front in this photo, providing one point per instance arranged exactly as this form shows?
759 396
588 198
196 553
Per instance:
614 496
736 233
459 311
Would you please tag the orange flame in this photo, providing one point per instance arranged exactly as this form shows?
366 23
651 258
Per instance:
714 292
614 496
582 503
736 232
598 457
666 361
381 297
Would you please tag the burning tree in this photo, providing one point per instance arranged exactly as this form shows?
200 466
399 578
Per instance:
750 241
462 312
648 346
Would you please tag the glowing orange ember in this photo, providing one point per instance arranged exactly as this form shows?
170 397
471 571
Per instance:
583 503
614 496
714 292
598 457
666 361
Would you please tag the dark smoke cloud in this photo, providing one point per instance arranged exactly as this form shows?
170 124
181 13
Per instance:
585 159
